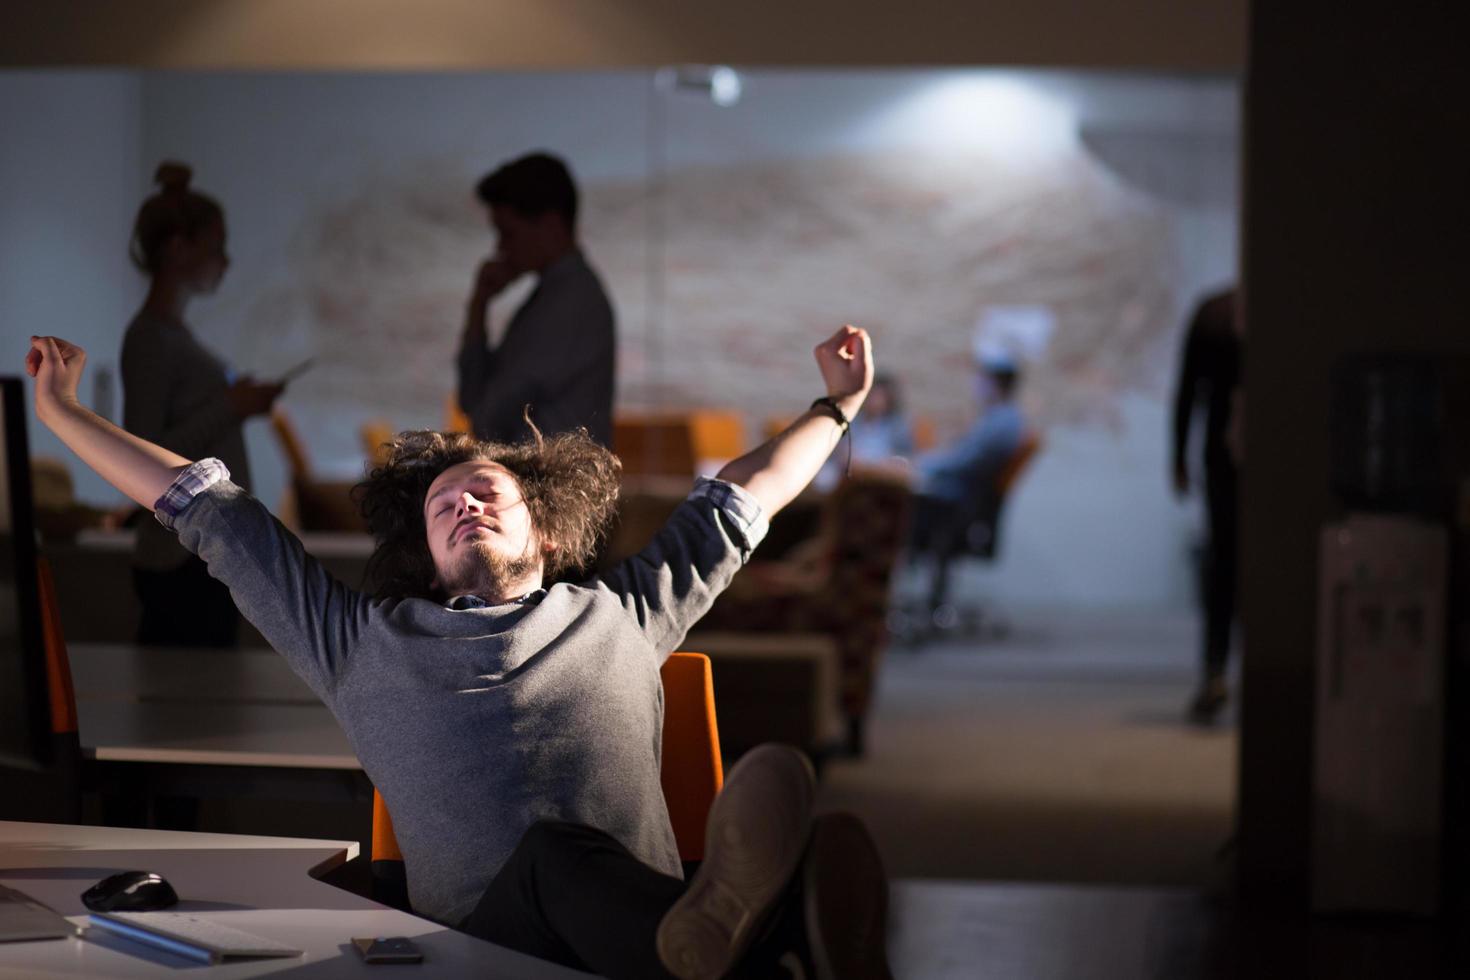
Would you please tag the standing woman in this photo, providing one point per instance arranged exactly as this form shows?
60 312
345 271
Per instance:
179 395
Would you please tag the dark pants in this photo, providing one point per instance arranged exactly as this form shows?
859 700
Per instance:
185 607
1221 566
575 896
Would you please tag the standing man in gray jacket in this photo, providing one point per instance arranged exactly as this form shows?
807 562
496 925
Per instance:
558 353
515 730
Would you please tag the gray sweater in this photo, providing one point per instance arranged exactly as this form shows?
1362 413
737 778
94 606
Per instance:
475 723
174 394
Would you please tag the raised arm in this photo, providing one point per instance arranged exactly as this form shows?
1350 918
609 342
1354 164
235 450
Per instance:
135 466
305 614
779 469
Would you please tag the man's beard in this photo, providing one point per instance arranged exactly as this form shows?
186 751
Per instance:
482 571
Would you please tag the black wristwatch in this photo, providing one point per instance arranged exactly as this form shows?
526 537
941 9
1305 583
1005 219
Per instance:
828 405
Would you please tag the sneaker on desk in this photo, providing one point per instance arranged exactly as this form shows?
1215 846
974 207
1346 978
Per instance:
778 889
754 840
845 902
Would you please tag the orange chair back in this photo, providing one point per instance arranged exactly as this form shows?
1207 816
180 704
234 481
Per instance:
716 434
291 445
376 435
1011 472
385 844
64 783
455 420
654 444
692 771
58 665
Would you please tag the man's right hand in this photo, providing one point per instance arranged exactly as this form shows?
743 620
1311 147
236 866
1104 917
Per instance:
249 397
57 366
135 466
494 275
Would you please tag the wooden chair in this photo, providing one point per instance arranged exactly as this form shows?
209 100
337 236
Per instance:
692 773
375 435
315 505
654 445
455 420
716 434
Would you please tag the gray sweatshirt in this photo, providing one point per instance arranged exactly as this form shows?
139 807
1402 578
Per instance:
476 722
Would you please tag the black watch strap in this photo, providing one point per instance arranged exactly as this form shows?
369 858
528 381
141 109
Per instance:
829 406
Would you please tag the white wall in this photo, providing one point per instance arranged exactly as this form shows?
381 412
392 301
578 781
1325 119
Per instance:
325 180
353 235
69 186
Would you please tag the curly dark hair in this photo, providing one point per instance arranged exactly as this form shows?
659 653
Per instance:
569 482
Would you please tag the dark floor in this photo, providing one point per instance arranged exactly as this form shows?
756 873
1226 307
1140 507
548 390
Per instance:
1057 753
1055 817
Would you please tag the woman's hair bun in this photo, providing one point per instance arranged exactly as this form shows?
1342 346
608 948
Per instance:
173 176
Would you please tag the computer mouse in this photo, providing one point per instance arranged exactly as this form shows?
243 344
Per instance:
130 891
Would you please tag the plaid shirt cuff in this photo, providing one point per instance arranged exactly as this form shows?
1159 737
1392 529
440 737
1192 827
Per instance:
195 479
738 506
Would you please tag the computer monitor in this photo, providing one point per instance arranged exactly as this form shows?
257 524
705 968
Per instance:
25 712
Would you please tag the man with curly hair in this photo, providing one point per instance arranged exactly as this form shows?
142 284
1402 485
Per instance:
514 729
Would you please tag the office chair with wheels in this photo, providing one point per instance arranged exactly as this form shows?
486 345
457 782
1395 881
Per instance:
971 531
692 774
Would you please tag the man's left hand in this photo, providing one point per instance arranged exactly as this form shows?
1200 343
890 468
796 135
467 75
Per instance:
846 362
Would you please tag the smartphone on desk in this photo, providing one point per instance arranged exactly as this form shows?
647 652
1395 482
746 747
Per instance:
395 949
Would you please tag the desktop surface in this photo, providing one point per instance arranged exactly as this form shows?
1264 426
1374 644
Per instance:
202 707
261 885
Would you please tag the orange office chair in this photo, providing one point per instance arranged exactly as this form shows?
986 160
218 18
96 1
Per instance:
455 420
313 504
975 533
376 434
65 778
692 773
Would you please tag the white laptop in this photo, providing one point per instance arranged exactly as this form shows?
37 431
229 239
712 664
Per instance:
23 918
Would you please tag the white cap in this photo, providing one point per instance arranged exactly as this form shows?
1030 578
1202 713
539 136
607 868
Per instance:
1006 336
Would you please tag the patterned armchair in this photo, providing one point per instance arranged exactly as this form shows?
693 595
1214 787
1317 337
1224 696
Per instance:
838 583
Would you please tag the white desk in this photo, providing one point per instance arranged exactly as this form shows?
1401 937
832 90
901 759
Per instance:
215 734
263 885
201 707
127 672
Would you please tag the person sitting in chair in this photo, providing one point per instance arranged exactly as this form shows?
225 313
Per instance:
513 729
958 490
